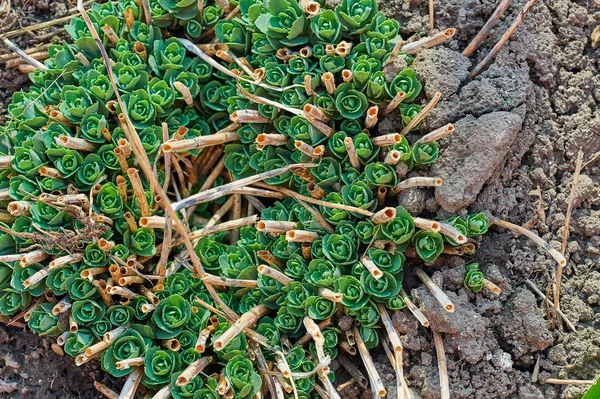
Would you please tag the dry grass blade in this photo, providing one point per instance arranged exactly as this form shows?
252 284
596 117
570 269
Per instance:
24 56
548 303
565 237
132 383
483 33
218 192
504 38
556 381
533 237
421 115
443 369
106 391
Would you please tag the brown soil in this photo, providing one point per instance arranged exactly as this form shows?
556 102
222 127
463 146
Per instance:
537 103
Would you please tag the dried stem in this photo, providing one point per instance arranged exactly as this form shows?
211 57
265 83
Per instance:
274 274
504 38
106 391
437 134
491 287
443 369
426 42
218 192
193 370
376 382
556 381
245 320
533 237
24 56
421 115
414 309
565 237
398 98
429 225
131 384
228 282
549 303
435 290
483 33
229 225
352 155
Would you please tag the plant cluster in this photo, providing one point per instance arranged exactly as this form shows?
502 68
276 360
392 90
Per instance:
84 235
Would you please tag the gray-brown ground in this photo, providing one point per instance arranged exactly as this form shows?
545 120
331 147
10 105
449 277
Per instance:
519 125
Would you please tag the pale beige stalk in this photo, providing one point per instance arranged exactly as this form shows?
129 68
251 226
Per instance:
430 41
352 155
437 134
246 320
138 191
301 236
199 142
420 181
376 382
414 309
274 274
387 139
422 114
398 98
75 143
371 268
436 291
384 215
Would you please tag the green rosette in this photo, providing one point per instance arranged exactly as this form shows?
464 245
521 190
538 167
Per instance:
341 250
286 322
131 344
381 174
354 295
296 267
401 229
380 289
76 343
244 380
88 311
322 272
477 224
391 262
319 308
141 241
359 195
13 301
370 337
428 245
44 323
296 296
119 315
473 278
178 283
170 315
425 154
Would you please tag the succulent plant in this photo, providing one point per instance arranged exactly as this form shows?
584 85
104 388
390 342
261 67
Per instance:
75 170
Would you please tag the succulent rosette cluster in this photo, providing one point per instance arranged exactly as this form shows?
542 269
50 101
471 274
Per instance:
83 234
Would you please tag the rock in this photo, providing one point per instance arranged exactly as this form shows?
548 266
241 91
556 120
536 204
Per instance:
522 326
587 190
473 153
413 200
442 70
463 330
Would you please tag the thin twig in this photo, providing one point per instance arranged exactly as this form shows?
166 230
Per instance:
549 303
443 369
504 38
565 237
476 42
24 56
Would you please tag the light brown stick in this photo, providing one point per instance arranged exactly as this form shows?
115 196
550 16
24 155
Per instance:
565 237
504 38
477 40
435 290
443 369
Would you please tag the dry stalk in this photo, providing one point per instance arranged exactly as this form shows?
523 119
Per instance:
421 115
443 369
480 37
436 291
414 309
565 237
376 382
504 38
